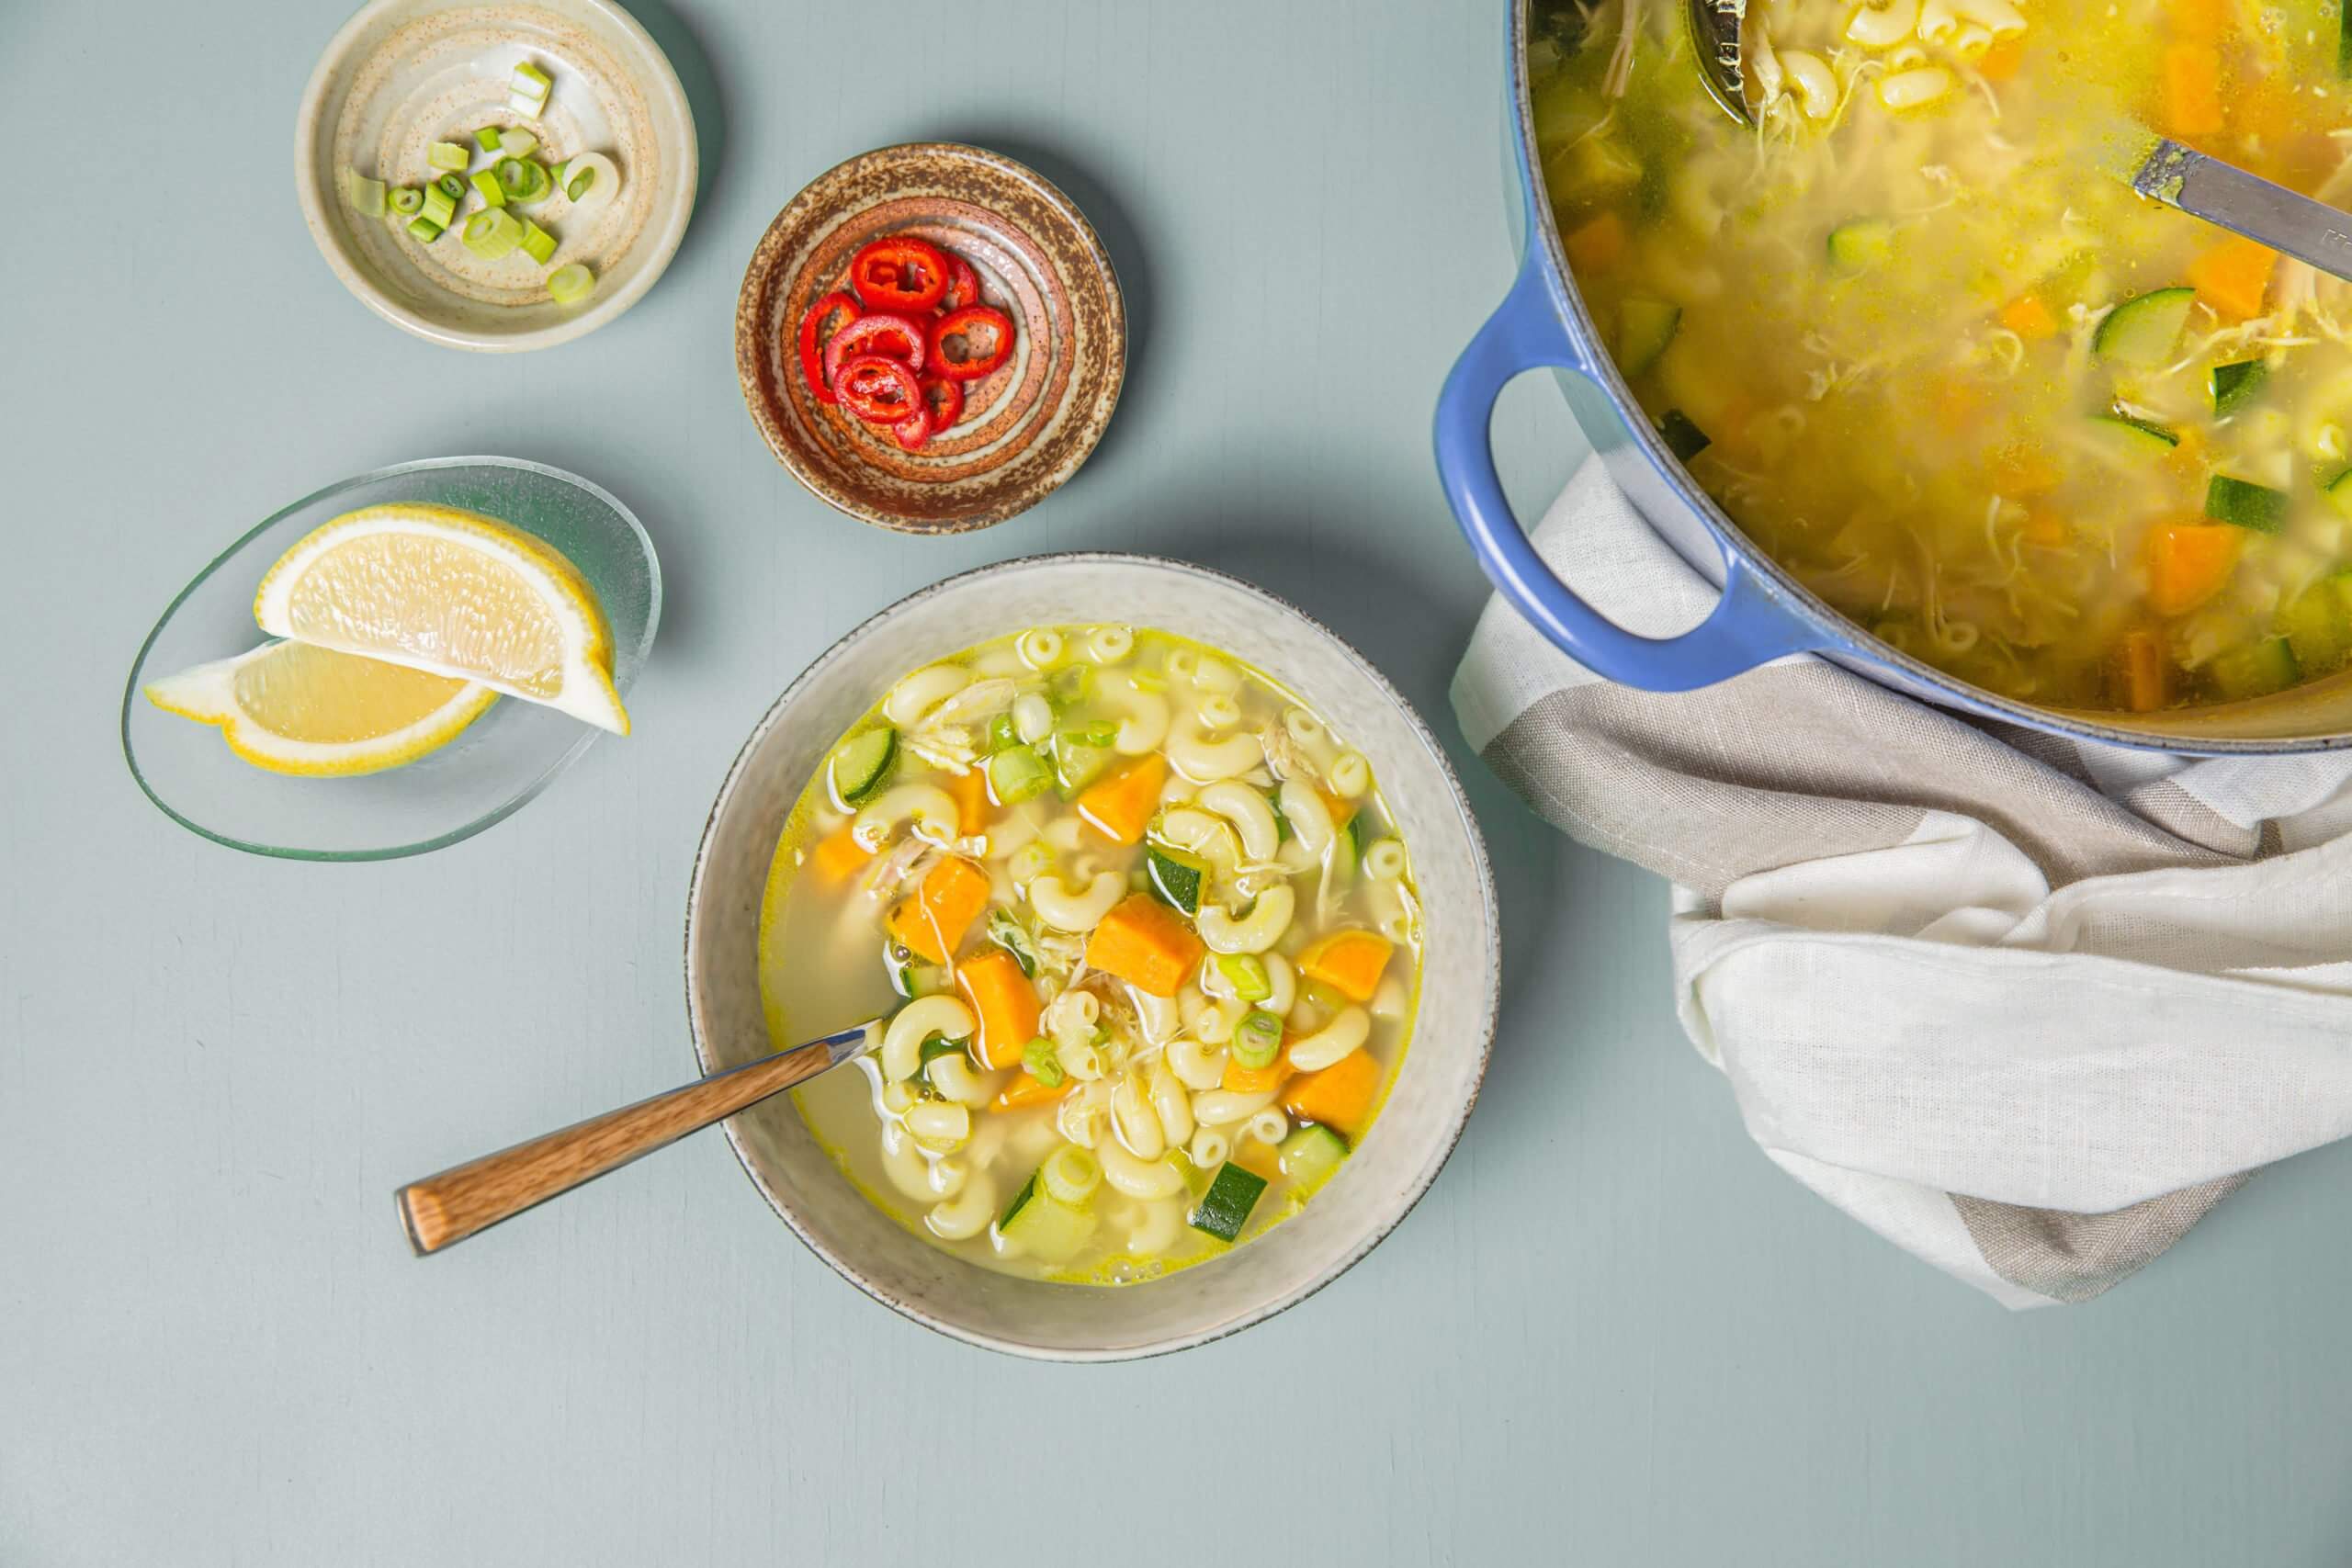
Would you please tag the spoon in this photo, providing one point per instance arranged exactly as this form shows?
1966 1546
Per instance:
2160 169
443 1210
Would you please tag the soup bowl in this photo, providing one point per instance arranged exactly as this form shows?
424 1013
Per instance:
1398 1156
1543 324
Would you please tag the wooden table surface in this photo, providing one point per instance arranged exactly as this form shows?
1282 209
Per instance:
1613 1334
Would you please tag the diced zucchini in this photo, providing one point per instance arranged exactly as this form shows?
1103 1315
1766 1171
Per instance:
1310 1156
911 979
1003 734
1177 878
2245 504
1645 328
1076 765
1006 930
1047 1228
1018 775
861 765
2234 384
1072 684
1224 1207
1684 439
2256 670
2319 626
2132 438
2144 332
1862 245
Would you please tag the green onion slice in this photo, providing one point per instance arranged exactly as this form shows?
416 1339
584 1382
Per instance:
493 233
1258 1040
530 81
1044 1062
487 138
364 193
453 184
439 208
1071 1174
571 285
407 201
515 144
524 180
590 180
492 193
537 243
448 155
423 229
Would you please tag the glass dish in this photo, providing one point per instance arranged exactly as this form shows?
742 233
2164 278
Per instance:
502 760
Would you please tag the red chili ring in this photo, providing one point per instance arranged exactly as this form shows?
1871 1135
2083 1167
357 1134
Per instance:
963 284
913 432
812 360
858 338
878 390
944 398
960 323
898 272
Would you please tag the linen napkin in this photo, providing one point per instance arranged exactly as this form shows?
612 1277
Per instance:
2027 1007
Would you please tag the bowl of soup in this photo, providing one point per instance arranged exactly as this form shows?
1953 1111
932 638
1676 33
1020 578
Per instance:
1176 935
1925 389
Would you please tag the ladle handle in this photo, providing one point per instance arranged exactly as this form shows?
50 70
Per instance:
446 1209
2228 196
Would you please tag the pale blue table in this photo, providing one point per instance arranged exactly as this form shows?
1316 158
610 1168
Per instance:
1613 1334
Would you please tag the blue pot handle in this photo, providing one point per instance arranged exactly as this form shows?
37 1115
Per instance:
1748 628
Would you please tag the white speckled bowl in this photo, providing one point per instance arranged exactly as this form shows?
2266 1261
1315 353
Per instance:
404 74
1399 1157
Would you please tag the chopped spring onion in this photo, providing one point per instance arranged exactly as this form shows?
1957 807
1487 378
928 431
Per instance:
455 185
487 138
1071 1174
529 108
423 229
1044 1062
537 243
364 193
571 285
524 180
493 233
1246 973
448 155
590 180
1097 735
530 81
492 193
439 207
407 201
1259 1039
515 144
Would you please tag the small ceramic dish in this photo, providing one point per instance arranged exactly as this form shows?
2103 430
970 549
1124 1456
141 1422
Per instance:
1027 427
502 759
1391 1168
404 74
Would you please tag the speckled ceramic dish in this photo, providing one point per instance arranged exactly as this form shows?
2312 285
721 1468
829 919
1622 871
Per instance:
1390 1169
404 74
1027 427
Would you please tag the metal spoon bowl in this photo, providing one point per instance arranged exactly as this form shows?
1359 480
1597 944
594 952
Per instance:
1714 44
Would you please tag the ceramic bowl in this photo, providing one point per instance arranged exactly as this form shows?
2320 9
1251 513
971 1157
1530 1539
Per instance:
1389 1170
404 74
1027 428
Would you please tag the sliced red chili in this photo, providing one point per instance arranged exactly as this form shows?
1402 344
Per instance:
972 326
913 432
898 272
878 390
892 336
813 337
963 284
944 398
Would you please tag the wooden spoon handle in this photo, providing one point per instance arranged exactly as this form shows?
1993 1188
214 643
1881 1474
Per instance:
445 1209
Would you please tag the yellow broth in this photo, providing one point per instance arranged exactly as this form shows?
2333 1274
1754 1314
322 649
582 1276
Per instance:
1922 329
1171 1031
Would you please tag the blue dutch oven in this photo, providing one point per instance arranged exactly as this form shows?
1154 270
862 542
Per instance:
1542 324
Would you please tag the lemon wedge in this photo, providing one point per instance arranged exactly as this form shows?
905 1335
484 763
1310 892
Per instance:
452 593
292 709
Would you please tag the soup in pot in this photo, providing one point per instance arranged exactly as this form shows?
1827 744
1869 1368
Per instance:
1142 937
2073 447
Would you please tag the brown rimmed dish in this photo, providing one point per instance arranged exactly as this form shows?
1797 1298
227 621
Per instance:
1029 425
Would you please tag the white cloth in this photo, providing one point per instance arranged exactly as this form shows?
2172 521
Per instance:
2026 1008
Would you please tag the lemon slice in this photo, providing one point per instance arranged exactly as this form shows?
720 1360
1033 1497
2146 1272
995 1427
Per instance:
454 593
293 708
